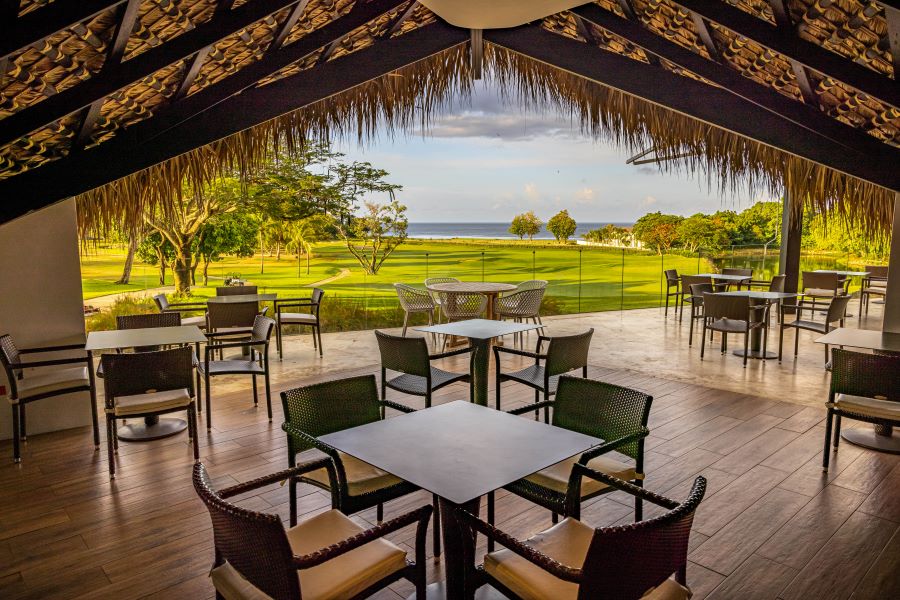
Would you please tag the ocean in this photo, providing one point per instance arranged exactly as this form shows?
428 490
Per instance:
497 231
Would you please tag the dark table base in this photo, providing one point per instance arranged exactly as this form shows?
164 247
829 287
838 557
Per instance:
873 440
438 591
756 354
151 428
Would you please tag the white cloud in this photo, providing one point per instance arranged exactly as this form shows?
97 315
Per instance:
531 192
585 195
648 201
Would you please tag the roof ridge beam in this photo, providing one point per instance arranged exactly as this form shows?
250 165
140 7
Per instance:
711 105
790 45
106 82
39 24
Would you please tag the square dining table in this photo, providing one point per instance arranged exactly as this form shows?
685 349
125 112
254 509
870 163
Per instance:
480 332
459 451
761 296
151 428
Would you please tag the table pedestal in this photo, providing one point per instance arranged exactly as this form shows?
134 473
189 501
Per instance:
481 362
878 438
438 591
150 428
756 335
458 543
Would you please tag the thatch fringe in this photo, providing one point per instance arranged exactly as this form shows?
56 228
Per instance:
408 99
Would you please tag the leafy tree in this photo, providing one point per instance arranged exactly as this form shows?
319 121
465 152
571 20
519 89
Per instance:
701 231
156 250
374 235
526 224
562 226
306 232
231 233
760 222
608 234
657 231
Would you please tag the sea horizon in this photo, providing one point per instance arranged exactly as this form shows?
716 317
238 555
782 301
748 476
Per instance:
489 230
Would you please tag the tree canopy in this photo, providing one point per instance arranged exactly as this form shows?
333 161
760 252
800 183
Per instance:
526 224
562 226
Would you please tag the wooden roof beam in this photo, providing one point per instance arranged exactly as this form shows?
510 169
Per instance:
785 22
706 37
697 100
892 16
39 24
790 45
108 81
117 158
285 30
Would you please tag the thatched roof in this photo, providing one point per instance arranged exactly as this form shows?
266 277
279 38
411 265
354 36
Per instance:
821 67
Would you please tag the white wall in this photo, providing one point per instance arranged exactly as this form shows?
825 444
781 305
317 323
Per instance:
41 305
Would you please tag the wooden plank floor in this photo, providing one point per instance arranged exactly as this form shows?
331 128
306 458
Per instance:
772 525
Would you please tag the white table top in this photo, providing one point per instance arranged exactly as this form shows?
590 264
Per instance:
478 329
760 294
242 298
862 338
725 277
119 339
844 273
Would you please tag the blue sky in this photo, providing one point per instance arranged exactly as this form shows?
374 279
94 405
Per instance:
485 161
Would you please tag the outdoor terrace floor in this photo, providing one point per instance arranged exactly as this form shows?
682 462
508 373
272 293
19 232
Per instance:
772 524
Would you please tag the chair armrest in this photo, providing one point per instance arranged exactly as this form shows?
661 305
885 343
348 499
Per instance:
396 406
450 353
224 345
212 335
293 302
613 445
527 409
529 553
579 470
291 429
47 363
498 349
313 559
280 476
51 348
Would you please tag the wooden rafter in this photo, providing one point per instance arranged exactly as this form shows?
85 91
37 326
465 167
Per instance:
400 19
630 14
892 16
286 27
698 100
786 23
790 45
706 37
108 81
107 162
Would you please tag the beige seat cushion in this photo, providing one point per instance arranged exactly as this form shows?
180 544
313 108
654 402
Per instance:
43 381
231 585
350 573
818 292
567 543
869 407
556 477
361 476
295 318
151 401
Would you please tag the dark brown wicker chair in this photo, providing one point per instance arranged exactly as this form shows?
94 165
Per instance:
236 290
819 286
748 273
256 362
299 319
148 384
319 409
834 313
686 282
731 314
696 299
565 353
147 321
256 557
164 306
409 356
572 560
873 285
25 388
864 387
673 288
615 414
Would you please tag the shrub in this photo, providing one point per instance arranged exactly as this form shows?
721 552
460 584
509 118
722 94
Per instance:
125 305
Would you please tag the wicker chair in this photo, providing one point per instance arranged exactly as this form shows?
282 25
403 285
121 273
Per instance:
564 354
522 304
409 356
864 387
319 409
256 363
310 319
615 414
673 283
257 558
460 306
414 301
148 384
818 286
164 306
236 290
26 387
686 282
696 300
435 280
873 285
147 321
834 313
731 314
574 561
748 273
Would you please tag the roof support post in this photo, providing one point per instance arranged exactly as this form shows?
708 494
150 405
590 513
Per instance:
791 232
891 320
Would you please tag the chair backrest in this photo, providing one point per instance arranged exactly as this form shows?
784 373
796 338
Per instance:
317 294
170 319
413 299
719 306
837 309
688 280
435 280
568 352
867 375
821 281
331 406
532 284
627 560
877 270
9 355
739 272
698 289
601 410
141 372
671 276
524 302
232 314
462 305
254 543
236 290
262 329
403 354
777 283
162 303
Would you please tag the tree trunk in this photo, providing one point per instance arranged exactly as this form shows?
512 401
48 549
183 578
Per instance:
181 269
277 250
161 257
129 261
206 272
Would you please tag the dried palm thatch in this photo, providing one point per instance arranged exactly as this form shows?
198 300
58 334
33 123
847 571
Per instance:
408 99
